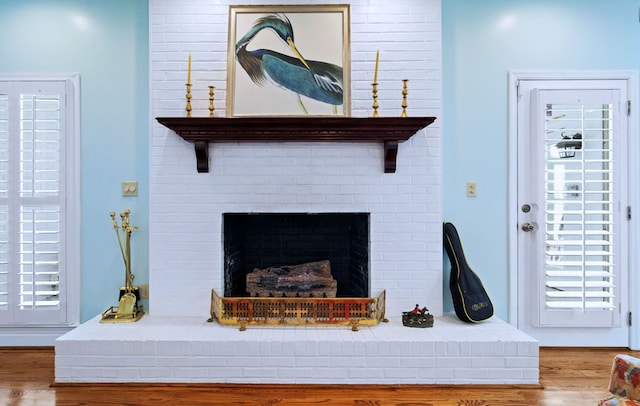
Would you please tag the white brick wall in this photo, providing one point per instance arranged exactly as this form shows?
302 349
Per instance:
186 207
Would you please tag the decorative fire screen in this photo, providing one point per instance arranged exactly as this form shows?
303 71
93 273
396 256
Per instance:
248 311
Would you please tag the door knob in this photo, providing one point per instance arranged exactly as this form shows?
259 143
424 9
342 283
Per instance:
528 227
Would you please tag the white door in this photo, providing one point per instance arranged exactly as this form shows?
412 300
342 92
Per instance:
572 202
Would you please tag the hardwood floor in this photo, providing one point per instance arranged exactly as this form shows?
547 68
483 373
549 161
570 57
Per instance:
568 376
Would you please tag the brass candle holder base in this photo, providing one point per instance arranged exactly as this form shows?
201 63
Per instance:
211 106
188 96
404 97
375 99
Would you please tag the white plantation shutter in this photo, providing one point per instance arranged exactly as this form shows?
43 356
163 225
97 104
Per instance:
32 202
580 257
4 208
578 276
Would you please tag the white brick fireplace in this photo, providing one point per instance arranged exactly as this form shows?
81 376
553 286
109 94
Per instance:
173 342
273 177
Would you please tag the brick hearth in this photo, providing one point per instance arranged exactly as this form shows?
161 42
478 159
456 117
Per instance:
190 350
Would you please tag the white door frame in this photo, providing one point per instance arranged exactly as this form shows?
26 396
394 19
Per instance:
632 184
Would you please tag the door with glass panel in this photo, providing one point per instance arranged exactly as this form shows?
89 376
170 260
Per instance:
572 209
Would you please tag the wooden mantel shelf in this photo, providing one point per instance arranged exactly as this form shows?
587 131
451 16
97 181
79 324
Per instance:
387 130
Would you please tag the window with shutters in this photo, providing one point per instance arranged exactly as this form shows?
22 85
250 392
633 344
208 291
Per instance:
36 233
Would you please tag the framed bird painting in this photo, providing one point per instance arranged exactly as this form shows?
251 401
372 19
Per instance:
288 60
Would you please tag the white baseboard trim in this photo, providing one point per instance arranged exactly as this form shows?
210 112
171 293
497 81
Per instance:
31 336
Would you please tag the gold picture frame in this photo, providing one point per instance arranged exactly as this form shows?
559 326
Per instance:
267 75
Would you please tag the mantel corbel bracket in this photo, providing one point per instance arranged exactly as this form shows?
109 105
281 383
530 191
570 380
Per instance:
202 156
390 156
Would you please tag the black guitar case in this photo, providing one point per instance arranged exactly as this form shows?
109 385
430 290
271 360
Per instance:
470 300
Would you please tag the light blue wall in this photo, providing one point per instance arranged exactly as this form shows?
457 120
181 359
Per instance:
106 42
482 42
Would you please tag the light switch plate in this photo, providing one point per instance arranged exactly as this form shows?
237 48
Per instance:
130 188
472 190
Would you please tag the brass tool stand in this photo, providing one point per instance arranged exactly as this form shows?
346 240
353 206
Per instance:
128 310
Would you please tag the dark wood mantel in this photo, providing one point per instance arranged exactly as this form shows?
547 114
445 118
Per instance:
387 130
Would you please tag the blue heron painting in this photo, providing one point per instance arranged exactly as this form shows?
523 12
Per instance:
317 80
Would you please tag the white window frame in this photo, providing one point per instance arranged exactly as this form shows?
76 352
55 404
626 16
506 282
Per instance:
45 334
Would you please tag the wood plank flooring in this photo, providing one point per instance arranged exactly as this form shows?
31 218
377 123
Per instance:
568 376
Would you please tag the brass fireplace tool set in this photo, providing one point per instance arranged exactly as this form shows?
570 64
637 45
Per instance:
128 310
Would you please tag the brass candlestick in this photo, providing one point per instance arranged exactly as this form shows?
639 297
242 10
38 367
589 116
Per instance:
211 107
375 99
188 95
404 97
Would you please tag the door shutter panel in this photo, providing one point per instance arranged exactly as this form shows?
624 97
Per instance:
4 194
577 280
32 203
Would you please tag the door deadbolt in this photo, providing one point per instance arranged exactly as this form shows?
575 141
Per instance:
526 208
528 227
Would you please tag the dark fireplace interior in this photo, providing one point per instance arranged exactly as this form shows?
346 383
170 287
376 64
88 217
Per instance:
261 240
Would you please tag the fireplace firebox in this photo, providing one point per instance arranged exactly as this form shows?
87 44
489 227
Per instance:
262 240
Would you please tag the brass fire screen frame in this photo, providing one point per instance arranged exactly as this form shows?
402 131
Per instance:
272 311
